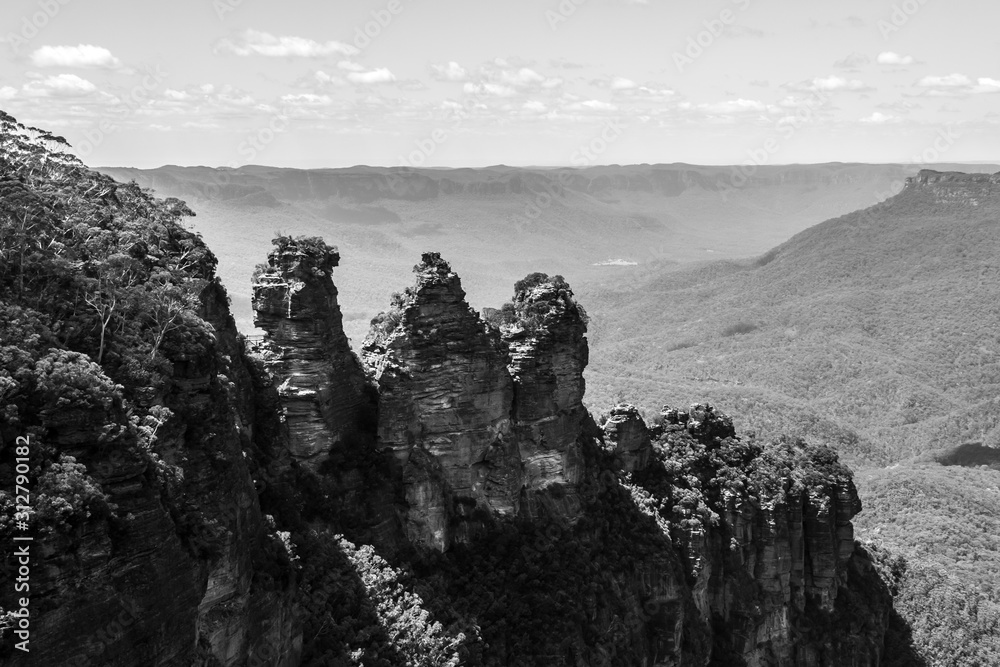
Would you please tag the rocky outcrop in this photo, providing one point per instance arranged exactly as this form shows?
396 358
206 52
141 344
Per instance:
445 399
781 555
319 379
544 331
628 437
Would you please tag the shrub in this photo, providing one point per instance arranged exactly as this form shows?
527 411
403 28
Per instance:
739 328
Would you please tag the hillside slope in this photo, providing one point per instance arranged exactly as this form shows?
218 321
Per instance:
878 331
497 224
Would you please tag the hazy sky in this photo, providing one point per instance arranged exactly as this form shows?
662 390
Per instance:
311 83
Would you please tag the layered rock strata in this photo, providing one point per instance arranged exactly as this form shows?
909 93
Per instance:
544 331
319 379
444 407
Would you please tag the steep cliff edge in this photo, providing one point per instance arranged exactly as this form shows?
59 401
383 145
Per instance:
544 331
321 382
121 367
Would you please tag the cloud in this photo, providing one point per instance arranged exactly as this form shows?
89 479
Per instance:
380 75
493 89
350 66
322 77
879 118
307 99
176 95
6 92
760 83
522 77
832 83
734 106
83 55
534 106
852 61
958 85
987 85
598 105
621 83
892 58
256 43
451 71
60 85
949 81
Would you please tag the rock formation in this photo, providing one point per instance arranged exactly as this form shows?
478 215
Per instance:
628 436
319 379
445 406
197 502
543 329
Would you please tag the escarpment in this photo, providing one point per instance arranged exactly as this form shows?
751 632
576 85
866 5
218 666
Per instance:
199 498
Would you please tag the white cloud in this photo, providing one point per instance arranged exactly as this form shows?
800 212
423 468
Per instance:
452 71
591 105
986 85
83 55
350 66
307 99
201 125
177 95
949 81
64 85
322 77
254 42
381 75
6 92
891 58
832 83
521 77
728 106
878 118
534 106
494 89
621 83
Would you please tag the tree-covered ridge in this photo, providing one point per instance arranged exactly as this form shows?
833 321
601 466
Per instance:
100 290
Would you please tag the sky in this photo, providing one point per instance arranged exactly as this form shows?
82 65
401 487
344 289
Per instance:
452 83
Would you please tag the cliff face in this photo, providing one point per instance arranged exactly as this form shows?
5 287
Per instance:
763 573
444 408
543 329
173 577
320 381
